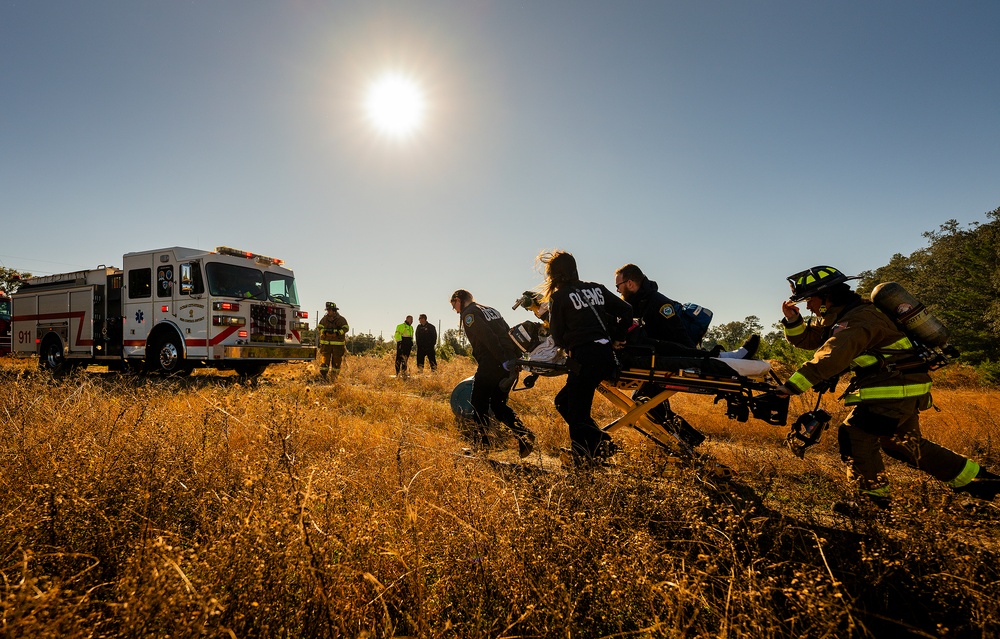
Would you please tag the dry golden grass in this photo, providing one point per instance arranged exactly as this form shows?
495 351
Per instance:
135 507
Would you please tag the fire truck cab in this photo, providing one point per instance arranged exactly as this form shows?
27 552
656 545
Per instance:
168 311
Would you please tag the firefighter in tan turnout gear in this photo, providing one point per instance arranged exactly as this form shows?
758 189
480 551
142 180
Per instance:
332 342
885 393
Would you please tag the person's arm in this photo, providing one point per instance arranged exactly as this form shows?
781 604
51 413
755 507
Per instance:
833 357
621 312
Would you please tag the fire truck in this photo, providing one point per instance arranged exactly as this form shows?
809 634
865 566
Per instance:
4 324
166 311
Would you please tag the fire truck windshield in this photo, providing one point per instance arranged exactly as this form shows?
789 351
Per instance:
281 288
227 280
4 308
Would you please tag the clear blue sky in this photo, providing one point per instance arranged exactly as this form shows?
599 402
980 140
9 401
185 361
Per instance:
720 146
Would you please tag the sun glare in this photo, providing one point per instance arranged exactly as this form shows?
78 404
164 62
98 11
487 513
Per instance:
395 105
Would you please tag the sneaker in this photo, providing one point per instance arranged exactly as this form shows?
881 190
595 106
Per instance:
751 346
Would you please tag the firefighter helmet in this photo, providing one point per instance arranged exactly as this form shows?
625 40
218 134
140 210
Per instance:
332 306
814 281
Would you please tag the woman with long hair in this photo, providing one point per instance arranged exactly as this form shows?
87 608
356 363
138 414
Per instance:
588 322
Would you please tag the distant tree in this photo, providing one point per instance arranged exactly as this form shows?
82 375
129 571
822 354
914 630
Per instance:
366 344
10 279
957 276
308 336
454 340
774 346
732 335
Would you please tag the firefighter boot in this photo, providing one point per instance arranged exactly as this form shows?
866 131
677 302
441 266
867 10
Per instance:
985 485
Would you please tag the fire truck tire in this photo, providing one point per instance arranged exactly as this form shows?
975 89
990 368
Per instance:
168 357
50 357
249 370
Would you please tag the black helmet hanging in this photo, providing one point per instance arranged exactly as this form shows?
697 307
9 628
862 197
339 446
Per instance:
814 281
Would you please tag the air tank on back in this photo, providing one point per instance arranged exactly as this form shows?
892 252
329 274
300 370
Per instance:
911 315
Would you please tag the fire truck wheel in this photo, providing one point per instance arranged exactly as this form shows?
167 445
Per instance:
249 371
50 357
168 357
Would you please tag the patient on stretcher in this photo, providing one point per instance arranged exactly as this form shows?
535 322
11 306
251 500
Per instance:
646 357
646 353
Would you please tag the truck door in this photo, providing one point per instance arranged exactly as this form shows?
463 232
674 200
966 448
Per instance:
138 315
192 309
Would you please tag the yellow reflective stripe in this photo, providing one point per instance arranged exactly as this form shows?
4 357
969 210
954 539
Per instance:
966 476
862 361
326 342
798 329
888 392
799 381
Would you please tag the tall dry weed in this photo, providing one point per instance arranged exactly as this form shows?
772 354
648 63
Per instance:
151 507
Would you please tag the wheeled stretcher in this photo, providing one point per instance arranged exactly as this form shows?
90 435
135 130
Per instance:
744 385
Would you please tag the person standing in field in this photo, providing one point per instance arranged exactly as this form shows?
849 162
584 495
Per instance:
885 394
588 322
495 353
426 338
333 330
404 345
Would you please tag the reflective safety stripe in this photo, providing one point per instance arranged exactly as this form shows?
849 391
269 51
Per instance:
862 361
325 342
887 392
966 476
799 381
798 329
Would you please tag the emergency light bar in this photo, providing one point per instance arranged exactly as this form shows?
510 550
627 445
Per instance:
263 259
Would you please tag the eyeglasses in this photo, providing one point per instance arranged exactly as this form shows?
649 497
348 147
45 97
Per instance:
619 285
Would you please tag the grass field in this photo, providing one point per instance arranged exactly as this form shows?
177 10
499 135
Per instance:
203 507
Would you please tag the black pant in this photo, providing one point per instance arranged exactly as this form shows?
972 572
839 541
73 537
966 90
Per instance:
403 348
427 351
591 364
490 389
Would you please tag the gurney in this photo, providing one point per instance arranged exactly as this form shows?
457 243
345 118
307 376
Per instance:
745 386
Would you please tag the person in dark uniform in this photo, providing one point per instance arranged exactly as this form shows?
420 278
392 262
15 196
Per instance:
658 319
426 338
659 326
495 353
588 322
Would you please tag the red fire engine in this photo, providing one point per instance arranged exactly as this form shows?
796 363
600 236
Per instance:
167 310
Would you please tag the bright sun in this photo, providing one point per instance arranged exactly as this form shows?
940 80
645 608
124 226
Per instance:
395 105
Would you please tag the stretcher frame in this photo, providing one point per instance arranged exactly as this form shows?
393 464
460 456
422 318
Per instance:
738 392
